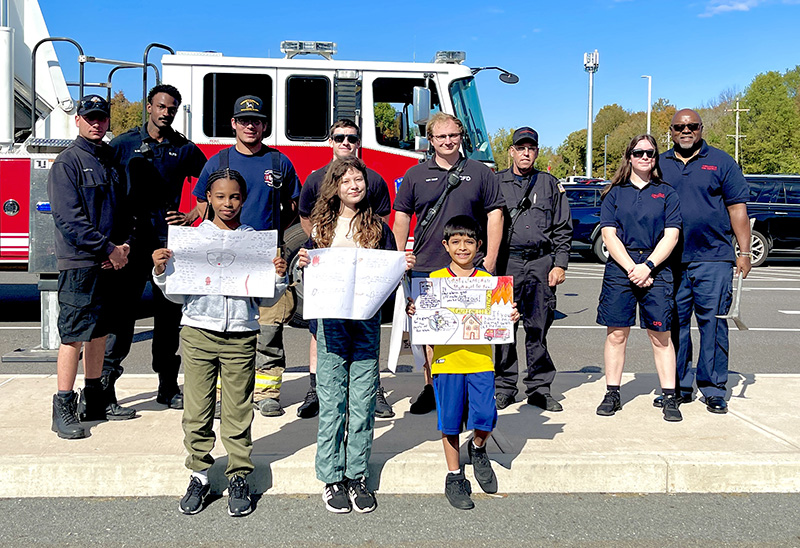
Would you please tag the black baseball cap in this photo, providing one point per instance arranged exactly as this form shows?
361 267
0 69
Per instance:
93 103
249 106
525 134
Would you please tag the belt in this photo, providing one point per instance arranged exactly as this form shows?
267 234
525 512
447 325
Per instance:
529 254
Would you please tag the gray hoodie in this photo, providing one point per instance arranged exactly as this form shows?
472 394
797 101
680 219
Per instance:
218 312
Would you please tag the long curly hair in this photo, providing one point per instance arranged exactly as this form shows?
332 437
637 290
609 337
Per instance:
624 171
365 226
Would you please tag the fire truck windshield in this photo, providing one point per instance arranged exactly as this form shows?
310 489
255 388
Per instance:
467 108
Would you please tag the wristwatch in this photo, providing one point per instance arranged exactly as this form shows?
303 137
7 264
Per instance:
649 264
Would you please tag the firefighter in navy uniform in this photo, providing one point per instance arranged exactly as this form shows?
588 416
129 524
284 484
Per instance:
156 161
538 234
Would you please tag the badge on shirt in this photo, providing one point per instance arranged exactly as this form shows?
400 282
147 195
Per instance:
561 188
268 177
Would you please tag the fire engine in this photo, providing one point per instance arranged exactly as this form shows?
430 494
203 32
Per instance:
390 101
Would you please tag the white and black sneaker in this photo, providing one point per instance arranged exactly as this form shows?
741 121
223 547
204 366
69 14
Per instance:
239 503
192 501
335 497
362 498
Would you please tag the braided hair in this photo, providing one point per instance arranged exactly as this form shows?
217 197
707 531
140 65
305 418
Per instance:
226 173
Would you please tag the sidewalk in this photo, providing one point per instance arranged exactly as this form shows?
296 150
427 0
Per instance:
754 448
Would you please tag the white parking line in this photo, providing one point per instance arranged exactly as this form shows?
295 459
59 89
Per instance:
789 312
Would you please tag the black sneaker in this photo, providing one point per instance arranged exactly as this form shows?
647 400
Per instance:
426 401
382 408
670 409
335 497
682 398
544 401
362 498
192 501
457 490
239 503
610 404
310 406
482 468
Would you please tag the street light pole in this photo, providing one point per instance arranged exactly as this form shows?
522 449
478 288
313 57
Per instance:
605 156
591 61
649 99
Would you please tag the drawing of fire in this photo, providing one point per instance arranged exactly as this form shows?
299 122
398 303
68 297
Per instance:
504 292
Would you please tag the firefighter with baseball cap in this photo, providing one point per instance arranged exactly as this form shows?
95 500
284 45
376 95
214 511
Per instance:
537 238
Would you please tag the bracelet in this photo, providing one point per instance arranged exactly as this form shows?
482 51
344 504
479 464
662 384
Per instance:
649 264
745 254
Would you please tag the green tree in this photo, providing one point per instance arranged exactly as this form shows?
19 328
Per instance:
500 141
772 125
124 114
386 121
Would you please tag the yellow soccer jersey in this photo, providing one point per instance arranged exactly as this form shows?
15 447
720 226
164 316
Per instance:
452 358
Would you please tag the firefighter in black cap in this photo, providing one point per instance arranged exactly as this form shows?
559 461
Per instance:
538 234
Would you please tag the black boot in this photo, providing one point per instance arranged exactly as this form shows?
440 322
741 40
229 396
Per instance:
65 418
92 404
114 411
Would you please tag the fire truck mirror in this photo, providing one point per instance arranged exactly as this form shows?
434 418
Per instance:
422 105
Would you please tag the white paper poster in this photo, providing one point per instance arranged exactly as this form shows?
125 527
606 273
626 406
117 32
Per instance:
462 310
235 263
350 283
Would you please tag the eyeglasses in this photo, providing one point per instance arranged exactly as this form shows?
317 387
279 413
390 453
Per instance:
340 137
444 136
647 153
249 121
694 126
522 149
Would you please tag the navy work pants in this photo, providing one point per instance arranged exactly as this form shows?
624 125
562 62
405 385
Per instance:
703 288
536 302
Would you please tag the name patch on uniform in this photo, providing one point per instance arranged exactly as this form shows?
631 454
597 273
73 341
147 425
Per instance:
708 167
659 195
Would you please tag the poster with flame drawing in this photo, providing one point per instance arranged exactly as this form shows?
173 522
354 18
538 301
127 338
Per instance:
462 310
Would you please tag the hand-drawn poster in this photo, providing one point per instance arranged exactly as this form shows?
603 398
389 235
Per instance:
235 263
350 283
462 310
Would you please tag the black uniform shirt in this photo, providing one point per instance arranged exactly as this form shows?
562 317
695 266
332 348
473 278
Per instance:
547 223
377 192
156 172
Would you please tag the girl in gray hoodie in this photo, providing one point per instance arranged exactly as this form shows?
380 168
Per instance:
218 339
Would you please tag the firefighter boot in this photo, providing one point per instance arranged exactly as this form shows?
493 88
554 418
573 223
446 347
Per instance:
65 418
114 411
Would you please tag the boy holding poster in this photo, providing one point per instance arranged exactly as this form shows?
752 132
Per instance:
464 375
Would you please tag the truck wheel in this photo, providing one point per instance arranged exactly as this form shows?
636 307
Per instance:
294 238
759 248
600 250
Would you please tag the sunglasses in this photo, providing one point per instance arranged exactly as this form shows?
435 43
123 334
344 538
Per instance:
694 126
639 153
340 137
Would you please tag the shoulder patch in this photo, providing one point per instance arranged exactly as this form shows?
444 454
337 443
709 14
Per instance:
561 188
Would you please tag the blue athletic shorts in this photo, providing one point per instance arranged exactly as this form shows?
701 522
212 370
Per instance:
455 391
619 297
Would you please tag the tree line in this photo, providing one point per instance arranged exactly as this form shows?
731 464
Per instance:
771 127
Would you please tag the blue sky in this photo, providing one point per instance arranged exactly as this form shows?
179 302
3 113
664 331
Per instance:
693 49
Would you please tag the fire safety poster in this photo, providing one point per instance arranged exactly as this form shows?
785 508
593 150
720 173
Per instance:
462 310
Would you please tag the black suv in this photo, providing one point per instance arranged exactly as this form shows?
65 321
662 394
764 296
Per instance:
584 202
774 211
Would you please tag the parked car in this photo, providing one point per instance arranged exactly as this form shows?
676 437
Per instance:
584 202
774 211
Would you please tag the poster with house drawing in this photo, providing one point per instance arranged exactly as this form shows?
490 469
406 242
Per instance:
350 283
462 310
235 263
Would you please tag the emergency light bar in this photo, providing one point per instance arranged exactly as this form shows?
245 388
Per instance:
298 47
450 57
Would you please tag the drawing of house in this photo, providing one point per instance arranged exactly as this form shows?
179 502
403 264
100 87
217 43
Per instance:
472 327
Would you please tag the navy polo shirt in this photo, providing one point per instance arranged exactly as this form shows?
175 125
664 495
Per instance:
155 177
478 194
640 215
259 208
377 192
706 186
